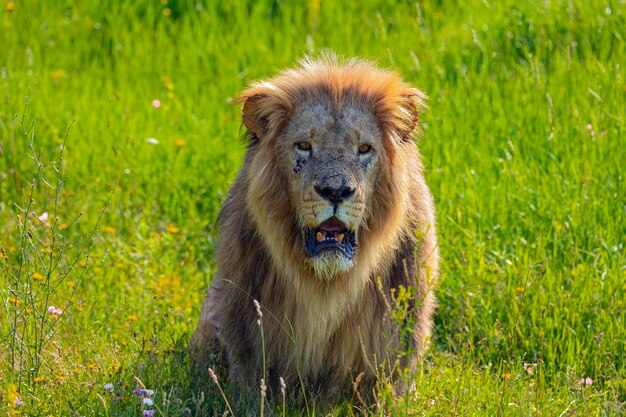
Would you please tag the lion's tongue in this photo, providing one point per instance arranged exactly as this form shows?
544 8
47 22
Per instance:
332 225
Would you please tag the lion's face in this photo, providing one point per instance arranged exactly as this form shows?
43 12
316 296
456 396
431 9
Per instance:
331 160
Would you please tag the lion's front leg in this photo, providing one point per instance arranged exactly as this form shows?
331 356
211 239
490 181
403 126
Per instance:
205 348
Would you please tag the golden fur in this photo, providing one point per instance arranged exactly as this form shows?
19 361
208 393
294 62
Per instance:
325 317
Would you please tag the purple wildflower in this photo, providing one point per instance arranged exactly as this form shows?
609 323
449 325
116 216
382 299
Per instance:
186 411
148 413
142 392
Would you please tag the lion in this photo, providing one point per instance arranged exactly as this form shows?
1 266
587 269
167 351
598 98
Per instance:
328 221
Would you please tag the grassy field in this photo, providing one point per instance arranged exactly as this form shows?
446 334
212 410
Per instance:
129 143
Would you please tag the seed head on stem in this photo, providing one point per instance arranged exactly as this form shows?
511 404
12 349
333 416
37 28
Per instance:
257 306
263 391
283 391
214 378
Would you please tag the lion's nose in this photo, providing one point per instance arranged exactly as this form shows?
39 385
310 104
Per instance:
335 195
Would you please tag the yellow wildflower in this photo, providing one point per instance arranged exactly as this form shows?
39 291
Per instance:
172 229
58 74
167 82
10 6
37 276
12 393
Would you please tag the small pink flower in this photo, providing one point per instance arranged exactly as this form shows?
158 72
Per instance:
156 103
18 402
55 311
429 403
43 217
585 381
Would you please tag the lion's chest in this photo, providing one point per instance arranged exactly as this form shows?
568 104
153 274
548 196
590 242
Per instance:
323 334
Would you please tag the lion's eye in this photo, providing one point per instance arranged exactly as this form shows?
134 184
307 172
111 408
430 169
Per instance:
363 149
303 146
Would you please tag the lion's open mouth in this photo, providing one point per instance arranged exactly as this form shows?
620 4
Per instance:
331 235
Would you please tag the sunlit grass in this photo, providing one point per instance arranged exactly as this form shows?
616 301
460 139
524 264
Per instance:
523 142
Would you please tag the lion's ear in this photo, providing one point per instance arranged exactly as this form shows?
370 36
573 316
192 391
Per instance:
255 123
412 104
263 111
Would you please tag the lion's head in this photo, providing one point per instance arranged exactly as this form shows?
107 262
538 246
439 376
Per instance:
327 163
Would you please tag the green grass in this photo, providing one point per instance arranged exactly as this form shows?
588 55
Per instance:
524 144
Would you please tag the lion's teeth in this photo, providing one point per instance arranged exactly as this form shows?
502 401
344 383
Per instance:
340 237
320 236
